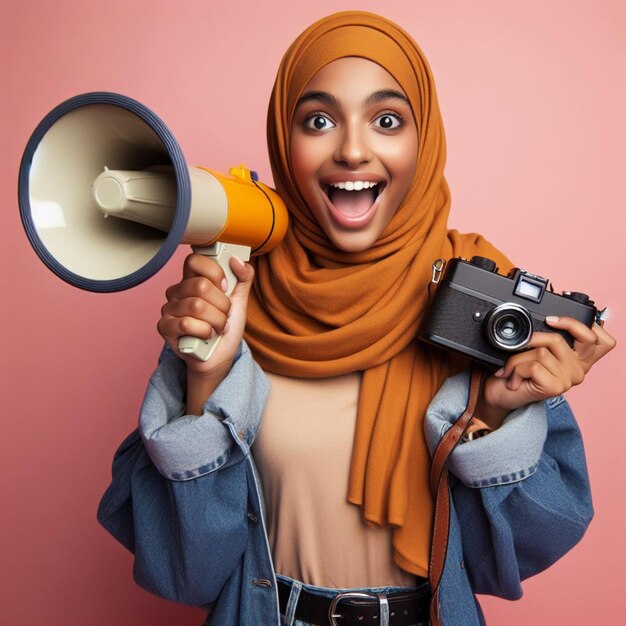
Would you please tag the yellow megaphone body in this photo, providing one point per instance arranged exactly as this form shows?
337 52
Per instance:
106 197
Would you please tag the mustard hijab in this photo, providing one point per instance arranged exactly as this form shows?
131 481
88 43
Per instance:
316 311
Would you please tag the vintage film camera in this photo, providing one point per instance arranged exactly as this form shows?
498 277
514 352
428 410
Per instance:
488 317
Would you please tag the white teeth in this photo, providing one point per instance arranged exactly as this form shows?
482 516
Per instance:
356 185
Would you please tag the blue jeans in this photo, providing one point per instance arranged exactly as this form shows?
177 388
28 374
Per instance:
288 619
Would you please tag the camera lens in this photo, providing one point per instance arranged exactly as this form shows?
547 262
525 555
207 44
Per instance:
509 326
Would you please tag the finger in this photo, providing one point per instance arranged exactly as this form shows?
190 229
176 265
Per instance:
543 355
244 272
547 358
197 308
509 370
202 265
547 342
596 343
239 297
199 287
570 372
515 377
521 357
568 365
577 329
603 338
171 328
554 342
538 379
509 365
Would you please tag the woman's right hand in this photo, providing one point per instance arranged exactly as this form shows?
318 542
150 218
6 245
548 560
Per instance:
198 306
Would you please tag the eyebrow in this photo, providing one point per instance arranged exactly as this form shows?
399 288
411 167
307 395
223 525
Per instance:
330 100
318 96
386 94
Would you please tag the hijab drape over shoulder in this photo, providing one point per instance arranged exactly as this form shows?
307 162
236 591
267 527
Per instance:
317 311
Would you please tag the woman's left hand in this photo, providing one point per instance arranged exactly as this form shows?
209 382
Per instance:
548 368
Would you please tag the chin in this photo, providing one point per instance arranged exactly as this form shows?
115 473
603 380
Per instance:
353 242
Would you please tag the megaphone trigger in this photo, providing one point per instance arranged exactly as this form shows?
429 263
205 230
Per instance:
221 253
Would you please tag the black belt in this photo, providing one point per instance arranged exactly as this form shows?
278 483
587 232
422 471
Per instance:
358 608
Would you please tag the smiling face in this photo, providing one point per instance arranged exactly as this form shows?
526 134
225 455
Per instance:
353 150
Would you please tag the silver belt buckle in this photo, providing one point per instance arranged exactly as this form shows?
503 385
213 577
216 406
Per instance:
332 615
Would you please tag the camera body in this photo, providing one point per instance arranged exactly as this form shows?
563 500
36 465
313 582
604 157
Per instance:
488 317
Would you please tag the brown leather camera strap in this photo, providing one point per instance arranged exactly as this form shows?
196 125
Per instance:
440 488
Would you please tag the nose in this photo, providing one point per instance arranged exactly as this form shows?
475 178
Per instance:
353 148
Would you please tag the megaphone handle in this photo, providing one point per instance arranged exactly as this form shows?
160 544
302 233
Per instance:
202 349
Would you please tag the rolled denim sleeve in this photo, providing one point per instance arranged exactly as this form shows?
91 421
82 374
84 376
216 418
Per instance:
183 447
520 507
186 522
508 454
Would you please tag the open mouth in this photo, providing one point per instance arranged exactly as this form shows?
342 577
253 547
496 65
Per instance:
353 203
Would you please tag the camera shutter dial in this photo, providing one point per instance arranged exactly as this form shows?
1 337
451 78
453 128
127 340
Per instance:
484 263
577 296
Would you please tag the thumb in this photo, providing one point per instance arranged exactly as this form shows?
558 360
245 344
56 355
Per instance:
245 275
237 315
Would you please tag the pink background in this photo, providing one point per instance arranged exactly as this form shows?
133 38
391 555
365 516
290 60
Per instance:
533 100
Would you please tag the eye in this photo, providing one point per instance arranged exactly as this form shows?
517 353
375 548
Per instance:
389 121
318 122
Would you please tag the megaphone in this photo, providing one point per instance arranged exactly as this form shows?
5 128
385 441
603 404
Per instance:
106 196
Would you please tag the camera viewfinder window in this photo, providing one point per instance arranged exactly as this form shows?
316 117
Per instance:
529 289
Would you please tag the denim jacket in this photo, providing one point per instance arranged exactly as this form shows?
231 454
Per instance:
185 498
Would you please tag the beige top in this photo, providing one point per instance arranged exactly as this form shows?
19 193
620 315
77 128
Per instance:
303 452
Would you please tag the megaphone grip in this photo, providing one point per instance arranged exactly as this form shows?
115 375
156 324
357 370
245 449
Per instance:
202 349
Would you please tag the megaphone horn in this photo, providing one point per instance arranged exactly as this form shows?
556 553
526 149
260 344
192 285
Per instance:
106 196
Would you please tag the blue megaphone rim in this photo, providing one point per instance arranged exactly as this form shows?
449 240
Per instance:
183 192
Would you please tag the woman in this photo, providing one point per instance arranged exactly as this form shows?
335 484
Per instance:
357 151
